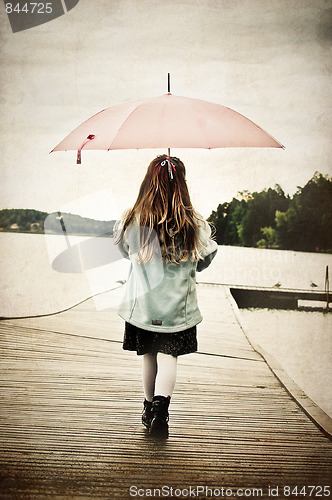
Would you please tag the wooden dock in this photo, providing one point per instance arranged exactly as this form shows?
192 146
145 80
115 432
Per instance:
71 403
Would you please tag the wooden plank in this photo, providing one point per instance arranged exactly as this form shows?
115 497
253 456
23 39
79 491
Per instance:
71 401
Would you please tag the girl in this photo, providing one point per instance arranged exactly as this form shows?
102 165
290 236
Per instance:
166 241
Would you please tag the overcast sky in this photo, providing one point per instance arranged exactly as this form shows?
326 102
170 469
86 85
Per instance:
269 60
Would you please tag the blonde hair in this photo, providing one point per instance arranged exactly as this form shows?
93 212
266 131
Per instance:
163 205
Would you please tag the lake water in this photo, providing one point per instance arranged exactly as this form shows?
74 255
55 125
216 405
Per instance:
300 341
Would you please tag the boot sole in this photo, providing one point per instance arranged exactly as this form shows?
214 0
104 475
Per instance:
159 430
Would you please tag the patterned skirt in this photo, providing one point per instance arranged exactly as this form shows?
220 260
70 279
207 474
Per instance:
144 341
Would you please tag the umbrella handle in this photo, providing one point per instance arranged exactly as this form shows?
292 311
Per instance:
79 151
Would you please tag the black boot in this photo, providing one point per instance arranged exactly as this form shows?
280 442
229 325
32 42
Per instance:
160 417
146 415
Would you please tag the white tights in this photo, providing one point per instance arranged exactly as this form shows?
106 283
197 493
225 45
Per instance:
159 374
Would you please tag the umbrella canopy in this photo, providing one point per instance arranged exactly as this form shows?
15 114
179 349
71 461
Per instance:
167 121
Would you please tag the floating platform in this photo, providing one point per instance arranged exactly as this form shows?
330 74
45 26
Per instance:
276 298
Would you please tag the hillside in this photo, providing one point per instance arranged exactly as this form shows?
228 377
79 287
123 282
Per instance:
34 221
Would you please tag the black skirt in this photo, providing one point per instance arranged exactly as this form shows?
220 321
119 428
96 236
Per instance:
144 341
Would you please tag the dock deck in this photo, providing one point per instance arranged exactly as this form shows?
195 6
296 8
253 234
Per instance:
71 402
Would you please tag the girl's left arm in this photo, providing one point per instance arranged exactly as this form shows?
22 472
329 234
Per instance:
209 247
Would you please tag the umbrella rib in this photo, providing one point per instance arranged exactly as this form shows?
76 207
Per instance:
123 123
193 113
259 128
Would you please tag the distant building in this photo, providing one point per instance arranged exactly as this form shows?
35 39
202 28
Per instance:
15 226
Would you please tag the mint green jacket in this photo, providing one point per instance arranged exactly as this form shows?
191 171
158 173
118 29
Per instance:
161 296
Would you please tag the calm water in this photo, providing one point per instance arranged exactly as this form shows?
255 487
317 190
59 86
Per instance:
300 341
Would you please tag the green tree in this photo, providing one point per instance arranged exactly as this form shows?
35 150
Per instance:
218 219
271 219
307 224
270 239
226 220
260 213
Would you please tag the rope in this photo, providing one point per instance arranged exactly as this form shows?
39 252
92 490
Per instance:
2 318
120 342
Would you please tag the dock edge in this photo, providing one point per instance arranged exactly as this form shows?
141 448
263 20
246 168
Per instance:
310 408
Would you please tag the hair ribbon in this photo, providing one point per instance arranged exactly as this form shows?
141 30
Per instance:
170 166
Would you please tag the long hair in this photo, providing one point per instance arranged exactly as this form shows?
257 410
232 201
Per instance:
163 205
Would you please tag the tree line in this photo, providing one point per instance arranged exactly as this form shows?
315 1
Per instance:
265 219
270 219
35 221
22 220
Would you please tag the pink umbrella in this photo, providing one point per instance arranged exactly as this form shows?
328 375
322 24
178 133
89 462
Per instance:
167 121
